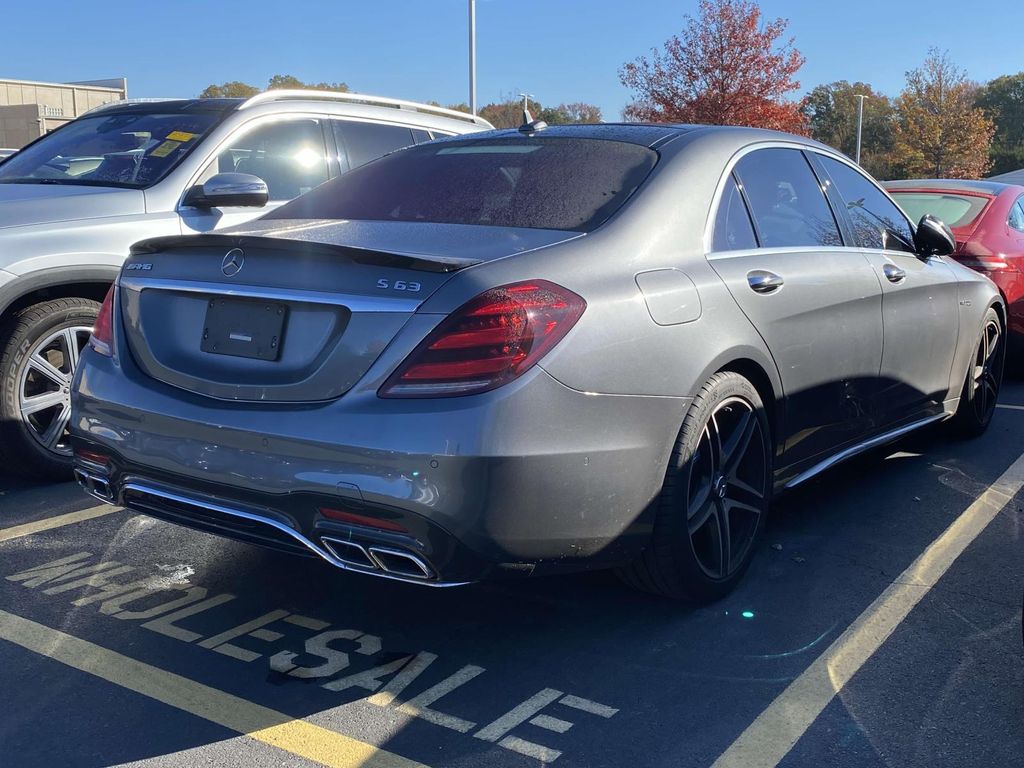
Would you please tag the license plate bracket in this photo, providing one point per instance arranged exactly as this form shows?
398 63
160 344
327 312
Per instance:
244 328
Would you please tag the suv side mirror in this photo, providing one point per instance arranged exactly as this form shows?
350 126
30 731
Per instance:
933 237
227 189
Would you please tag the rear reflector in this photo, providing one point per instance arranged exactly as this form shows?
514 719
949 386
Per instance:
342 516
91 456
488 342
102 339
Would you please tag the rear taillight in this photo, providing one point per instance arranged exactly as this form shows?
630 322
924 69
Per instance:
488 342
102 339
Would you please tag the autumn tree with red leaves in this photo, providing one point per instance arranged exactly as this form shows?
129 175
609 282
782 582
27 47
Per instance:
726 67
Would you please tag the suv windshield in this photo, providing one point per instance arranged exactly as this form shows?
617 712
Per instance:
535 182
114 150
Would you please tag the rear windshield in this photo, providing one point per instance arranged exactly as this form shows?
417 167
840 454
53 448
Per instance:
115 150
535 182
955 210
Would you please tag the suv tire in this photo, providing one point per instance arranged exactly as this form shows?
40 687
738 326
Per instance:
31 338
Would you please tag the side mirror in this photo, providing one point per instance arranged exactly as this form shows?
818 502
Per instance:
227 189
933 237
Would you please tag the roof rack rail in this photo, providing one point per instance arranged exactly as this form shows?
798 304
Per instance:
359 98
122 102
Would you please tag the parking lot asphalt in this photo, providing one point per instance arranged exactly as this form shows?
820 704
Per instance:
126 640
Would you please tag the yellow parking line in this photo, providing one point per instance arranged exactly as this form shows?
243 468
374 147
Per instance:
46 524
771 736
266 725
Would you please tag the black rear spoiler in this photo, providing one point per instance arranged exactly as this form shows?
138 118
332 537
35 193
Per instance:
417 261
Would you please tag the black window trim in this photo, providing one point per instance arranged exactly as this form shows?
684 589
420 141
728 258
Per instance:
801 149
746 207
845 213
731 176
343 141
835 201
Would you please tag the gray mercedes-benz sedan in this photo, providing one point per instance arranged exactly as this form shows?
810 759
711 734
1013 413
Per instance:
534 350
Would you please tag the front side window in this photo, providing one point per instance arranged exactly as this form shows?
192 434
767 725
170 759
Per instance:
877 221
364 142
786 200
536 182
123 149
733 228
289 155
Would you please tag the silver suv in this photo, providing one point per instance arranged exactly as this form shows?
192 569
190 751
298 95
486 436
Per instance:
72 203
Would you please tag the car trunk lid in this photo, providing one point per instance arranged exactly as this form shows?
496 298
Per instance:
291 311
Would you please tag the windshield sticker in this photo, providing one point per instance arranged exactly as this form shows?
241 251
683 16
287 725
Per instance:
165 149
180 136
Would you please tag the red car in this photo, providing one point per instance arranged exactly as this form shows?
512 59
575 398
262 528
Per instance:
987 219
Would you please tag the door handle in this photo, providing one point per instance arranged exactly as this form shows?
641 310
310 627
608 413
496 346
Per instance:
893 273
763 281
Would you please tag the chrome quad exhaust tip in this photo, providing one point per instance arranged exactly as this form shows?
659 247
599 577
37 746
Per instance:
95 485
390 560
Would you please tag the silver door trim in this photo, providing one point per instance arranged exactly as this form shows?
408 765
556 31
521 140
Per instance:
867 445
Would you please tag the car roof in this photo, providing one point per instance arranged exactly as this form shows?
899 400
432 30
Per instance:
653 134
354 104
631 133
169 106
952 185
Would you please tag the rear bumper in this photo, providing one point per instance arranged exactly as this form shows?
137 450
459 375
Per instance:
533 477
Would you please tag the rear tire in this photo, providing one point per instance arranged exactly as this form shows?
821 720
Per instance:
984 378
34 442
718 479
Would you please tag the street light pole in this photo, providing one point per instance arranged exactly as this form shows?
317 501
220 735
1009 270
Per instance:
860 122
472 56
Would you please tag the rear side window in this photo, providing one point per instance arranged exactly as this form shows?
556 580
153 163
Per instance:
364 142
786 200
733 228
877 221
536 182
1016 219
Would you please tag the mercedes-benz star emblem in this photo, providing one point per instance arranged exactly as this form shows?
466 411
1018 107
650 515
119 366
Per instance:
233 261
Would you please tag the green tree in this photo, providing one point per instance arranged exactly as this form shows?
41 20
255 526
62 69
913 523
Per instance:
231 90
240 90
581 112
293 83
831 113
1003 102
938 131
509 113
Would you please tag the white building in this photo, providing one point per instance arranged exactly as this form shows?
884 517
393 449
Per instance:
30 109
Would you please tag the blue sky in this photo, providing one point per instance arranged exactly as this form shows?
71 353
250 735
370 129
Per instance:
560 50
